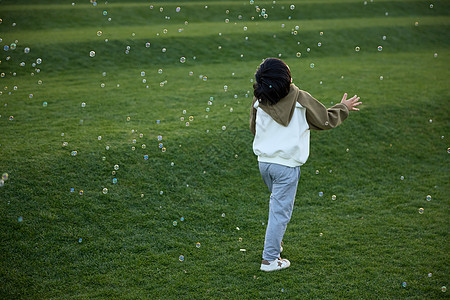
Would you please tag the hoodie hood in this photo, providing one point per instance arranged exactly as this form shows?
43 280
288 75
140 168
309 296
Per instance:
283 110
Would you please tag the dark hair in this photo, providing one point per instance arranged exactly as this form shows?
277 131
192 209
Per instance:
273 81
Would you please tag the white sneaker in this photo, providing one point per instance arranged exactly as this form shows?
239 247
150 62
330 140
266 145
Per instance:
274 265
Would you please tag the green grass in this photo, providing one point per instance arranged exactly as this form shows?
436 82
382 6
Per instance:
362 245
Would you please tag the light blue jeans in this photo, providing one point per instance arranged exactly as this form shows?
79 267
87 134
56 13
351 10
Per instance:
282 182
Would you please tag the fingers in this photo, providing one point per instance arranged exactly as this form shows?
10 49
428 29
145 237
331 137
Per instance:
344 97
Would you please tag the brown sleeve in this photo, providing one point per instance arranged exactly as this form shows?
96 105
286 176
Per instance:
253 118
318 116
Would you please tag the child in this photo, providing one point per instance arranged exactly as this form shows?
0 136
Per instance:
281 118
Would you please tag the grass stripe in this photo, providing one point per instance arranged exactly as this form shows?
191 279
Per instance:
120 33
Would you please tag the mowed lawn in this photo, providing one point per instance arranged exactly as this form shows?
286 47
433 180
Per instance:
127 162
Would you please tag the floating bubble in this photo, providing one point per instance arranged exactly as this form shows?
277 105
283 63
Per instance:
174 223
317 172
26 50
74 153
182 59
72 190
178 9
105 191
83 104
80 240
11 118
146 157
6 48
182 218
357 49
404 284
20 219
81 192
5 176
44 104
116 167
143 146
402 177
191 118
380 48
99 33
430 274
2 182
197 245
163 50
443 289
431 5
384 37
321 234
92 53
223 215
105 12
421 210
435 55
147 45
114 180
319 44
163 149
161 192
181 258
333 197
428 197
224 127
320 194
311 66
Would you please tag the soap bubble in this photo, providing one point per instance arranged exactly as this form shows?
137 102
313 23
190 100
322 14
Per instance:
421 210
143 146
174 223
99 33
116 167
2 182
11 118
311 66
223 215
114 180
92 53
402 178
178 9
404 284
333 197
105 191
197 245
182 59
357 49
146 157
44 104
83 104
224 127
428 198
26 50
182 218
320 194
435 55
81 192
380 48
20 219
317 172
5 176
430 274
299 54
444 289
147 45
163 50
74 153
72 190
181 258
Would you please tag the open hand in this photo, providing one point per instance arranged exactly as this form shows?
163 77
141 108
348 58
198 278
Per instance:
351 103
